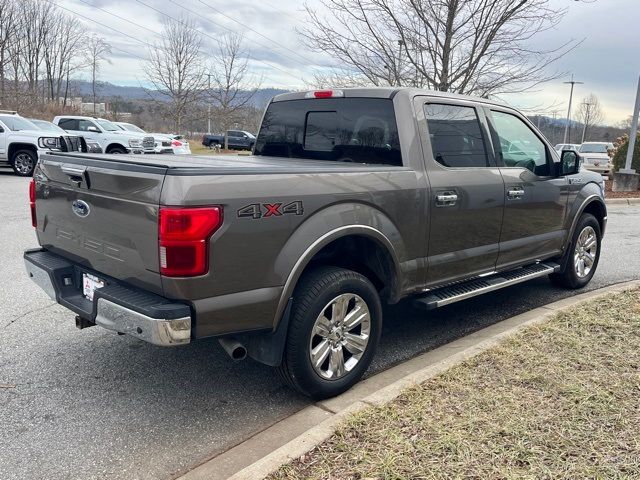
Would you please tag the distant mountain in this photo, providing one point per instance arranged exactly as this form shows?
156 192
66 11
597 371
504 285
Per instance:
109 90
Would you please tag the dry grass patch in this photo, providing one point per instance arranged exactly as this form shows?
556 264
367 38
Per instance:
559 400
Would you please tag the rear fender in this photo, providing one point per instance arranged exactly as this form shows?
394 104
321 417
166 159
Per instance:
327 225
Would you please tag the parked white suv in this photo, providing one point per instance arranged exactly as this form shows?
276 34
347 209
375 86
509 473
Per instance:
21 142
111 138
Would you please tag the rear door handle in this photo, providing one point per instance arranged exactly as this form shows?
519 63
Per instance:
446 199
515 193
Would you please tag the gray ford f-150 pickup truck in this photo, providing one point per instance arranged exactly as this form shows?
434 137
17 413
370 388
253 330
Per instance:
354 198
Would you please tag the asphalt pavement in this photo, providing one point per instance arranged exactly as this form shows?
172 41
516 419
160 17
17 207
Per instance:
88 404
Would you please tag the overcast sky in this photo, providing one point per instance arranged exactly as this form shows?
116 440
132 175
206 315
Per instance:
608 60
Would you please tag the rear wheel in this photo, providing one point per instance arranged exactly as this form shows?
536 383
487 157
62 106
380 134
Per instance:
333 333
583 255
24 162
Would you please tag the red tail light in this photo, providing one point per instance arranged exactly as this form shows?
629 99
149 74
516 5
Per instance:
32 203
176 143
184 239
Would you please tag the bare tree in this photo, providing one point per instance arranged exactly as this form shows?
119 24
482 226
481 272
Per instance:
233 86
477 47
61 51
97 50
589 113
175 68
8 24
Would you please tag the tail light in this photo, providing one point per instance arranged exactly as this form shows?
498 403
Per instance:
32 203
183 239
176 143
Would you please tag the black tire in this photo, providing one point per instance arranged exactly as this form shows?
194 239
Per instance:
24 162
569 277
312 295
117 150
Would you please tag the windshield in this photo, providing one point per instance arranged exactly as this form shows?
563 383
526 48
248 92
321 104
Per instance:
108 126
593 148
46 126
130 127
16 123
357 130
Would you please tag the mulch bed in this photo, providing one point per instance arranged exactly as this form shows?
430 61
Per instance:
608 193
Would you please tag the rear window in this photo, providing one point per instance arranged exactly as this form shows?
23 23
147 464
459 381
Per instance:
359 130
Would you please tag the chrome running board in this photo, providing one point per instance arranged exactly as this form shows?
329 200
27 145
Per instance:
461 291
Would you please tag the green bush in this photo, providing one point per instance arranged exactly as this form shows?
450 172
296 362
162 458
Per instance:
620 155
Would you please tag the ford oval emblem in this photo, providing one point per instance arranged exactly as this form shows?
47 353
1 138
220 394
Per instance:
80 208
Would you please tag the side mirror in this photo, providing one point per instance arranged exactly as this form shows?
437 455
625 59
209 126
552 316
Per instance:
93 129
569 163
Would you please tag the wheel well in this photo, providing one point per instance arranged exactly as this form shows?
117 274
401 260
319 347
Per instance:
14 147
363 255
114 145
597 210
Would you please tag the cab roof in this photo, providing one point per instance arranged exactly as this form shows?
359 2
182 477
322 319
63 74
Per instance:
384 92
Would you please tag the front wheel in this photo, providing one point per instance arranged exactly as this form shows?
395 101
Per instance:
24 162
333 334
584 254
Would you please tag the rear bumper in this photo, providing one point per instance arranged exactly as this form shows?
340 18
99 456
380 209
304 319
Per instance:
116 306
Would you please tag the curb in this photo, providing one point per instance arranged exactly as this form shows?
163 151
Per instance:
622 201
289 439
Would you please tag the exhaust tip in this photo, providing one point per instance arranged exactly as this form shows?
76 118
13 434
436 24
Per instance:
234 349
239 353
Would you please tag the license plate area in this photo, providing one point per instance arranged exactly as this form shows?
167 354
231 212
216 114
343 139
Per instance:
90 283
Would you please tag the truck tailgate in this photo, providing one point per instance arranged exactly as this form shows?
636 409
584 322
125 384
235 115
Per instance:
103 214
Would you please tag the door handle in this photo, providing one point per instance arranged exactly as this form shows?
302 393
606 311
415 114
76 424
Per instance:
446 199
515 193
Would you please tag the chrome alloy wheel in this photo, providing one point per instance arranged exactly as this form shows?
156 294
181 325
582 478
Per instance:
23 163
584 255
340 335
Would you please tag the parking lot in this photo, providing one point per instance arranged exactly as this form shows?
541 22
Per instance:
90 404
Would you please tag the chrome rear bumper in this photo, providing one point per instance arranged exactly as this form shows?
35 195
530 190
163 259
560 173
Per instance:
116 306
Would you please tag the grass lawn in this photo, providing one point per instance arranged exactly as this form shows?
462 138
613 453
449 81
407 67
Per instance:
559 400
198 149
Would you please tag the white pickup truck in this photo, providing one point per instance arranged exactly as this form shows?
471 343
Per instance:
21 142
111 138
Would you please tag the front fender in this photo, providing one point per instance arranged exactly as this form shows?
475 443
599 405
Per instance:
327 225
588 194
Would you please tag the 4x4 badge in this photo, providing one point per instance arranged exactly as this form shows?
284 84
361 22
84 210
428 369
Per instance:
276 209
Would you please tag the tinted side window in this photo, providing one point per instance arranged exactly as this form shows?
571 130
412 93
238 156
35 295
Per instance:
358 130
68 124
518 145
456 137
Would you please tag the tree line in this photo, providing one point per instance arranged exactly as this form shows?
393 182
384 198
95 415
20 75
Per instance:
41 49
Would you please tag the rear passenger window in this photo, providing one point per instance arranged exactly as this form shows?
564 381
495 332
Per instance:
68 124
456 138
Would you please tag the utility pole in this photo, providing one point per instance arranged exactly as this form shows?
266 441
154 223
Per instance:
566 127
634 134
400 44
587 117
209 105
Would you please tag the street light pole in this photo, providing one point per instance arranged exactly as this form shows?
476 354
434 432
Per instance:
566 127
